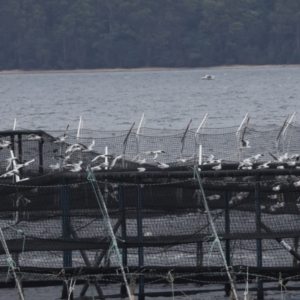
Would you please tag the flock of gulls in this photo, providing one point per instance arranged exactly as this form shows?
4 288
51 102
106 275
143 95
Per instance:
148 158
67 161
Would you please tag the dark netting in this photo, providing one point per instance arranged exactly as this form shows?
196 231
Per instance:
55 227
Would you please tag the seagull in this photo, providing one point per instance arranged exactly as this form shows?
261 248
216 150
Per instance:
254 158
245 164
141 161
218 167
245 143
61 139
162 165
264 166
141 169
276 188
88 148
104 165
282 158
63 157
297 183
294 156
35 137
115 160
210 159
208 77
155 153
242 195
54 167
247 168
273 197
96 168
75 167
100 156
214 197
138 160
74 147
11 173
9 162
25 164
4 144
184 160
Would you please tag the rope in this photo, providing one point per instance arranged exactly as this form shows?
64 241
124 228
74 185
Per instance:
21 232
171 279
72 287
281 286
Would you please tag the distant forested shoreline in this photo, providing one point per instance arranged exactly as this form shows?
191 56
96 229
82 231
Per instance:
95 34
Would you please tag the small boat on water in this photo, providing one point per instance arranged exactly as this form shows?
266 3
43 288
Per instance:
208 77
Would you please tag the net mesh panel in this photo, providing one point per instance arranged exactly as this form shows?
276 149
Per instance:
43 223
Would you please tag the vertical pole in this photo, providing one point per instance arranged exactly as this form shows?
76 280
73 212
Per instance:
227 241
11 265
67 255
137 136
140 239
296 245
15 124
41 161
201 126
79 127
200 155
106 158
123 230
260 293
16 178
20 151
245 120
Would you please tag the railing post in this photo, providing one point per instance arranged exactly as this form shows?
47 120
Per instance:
227 241
123 230
140 239
67 254
41 160
260 292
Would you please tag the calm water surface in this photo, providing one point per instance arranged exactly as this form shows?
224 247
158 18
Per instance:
114 100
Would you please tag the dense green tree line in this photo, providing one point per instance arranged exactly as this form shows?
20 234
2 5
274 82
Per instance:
67 34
